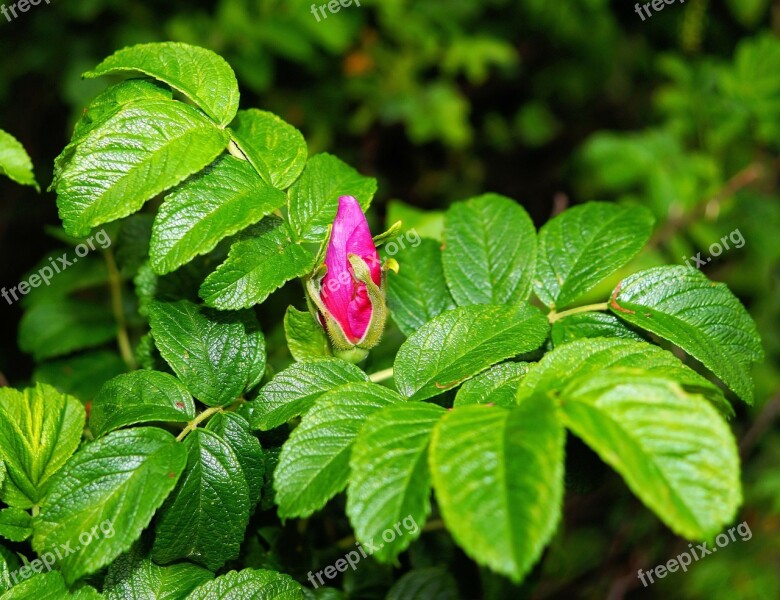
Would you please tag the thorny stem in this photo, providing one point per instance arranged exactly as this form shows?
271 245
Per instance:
115 283
553 316
381 375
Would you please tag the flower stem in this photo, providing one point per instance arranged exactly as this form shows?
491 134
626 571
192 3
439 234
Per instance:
193 425
555 316
122 338
381 375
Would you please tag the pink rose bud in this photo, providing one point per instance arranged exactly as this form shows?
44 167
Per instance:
350 298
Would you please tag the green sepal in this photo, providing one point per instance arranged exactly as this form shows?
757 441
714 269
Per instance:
394 230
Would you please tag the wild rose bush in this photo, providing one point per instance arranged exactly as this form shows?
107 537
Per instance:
204 458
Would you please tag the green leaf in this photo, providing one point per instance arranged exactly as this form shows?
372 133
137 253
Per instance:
59 327
427 223
8 564
83 375
201 75
205 517
275 148
210 206
489 252
259 584
217 355
418 293
109 489
390 482
314 463
104 106
497 385
15 163
140 397
590 356
142 150
703 318
428 583
46 586
15 524
305 338
234 431
460 343
135 577
672 448
39 430
314 198
256 267
498 476
591 325
295 390
82 274
584 245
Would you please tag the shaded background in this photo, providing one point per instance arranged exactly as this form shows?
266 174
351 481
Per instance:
549 103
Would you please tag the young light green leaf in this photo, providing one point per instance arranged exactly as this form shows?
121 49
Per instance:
305 338
673 449
293 391
218 202
142 150
702 317
15 524
217 355
314 463
390 480
584 245
497 385
591 325
140 397
57 327
39 429
90 494
489 252
257 584
418 293
133 576
201 75
275 148
589 356
498 476
314 198
460 343
15 163
256 267
234 431
427 583
205 517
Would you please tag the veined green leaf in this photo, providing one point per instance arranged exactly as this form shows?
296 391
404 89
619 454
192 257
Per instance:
259 584
140 397
217 355
418 293
135 577
673 449
460 343
8 564
15 163
201 75
142 150
109 489
275 148
293 391
222 200
584 245
314 463
205 517
234 431
305 338
314 198
256 267
498 476
390 480
15 524
489 252
497 385
45 586
702 317
591 325
39 430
